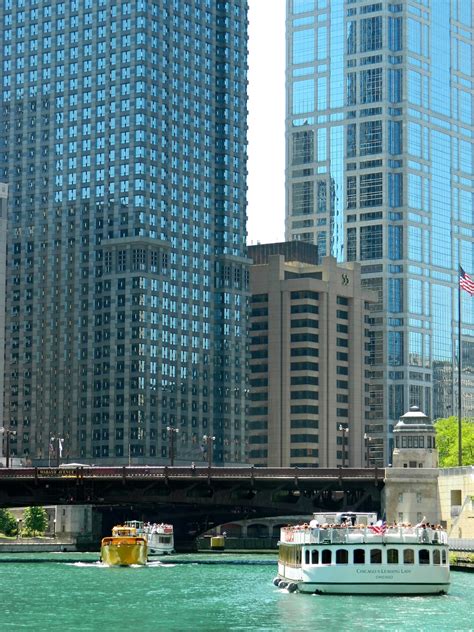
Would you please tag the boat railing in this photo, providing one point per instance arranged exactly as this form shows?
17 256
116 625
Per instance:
304 534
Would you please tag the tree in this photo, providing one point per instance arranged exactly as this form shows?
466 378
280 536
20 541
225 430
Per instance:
8 524
447 441
35 520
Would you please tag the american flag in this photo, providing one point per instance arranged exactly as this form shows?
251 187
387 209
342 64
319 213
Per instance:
465 282
379 527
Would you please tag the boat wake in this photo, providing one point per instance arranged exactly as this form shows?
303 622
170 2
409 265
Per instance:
87 564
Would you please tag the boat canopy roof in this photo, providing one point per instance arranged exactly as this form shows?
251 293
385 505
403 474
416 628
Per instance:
344 517
124 531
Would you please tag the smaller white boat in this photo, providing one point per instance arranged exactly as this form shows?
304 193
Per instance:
159 537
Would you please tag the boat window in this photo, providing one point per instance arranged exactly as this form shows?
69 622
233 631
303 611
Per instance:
342 556
423 556
436 556
306 556
359 556
408 556
444 556
376 556
314 556
326 556
392 556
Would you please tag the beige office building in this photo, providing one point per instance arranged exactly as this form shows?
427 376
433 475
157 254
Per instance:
309 355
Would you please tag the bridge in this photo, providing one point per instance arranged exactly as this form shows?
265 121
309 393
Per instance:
194 497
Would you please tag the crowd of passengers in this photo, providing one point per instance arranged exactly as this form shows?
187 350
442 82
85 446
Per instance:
314 524
153 527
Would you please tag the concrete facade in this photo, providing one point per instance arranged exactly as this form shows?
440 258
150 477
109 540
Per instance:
456 500
308 359
411 495
416 489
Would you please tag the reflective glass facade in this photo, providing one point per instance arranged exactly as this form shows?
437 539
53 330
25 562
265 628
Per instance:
387 106
123 142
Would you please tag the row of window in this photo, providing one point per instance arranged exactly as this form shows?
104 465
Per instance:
292 555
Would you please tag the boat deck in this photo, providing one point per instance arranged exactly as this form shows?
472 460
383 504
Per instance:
304 534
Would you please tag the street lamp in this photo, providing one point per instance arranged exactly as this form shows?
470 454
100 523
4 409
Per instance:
8 433
344 432
172 431
367 440
208 440
59 448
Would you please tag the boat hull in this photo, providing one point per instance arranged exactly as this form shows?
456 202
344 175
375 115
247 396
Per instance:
159 551
385 580
160 544
373 589
124 554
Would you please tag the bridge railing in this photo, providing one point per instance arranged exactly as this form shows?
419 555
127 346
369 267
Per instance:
165 472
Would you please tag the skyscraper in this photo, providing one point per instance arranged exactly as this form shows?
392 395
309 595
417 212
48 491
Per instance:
308 345
379 163
123 141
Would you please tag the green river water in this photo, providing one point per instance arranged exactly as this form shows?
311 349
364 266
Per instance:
73 593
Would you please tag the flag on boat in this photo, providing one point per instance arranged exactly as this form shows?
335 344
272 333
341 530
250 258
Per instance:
466 282
379 527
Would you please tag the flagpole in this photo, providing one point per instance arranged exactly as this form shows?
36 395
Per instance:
459 380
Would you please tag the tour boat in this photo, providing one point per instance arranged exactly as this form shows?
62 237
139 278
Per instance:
159 537
125 547
353 553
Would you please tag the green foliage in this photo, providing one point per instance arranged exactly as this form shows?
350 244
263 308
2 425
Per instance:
447 441
7 522
35 520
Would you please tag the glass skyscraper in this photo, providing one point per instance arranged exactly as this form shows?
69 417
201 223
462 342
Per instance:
380 170
123 142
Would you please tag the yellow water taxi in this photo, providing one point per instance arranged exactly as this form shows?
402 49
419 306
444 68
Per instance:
124 547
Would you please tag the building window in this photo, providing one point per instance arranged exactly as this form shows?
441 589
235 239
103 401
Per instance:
351 192
351 244
371 34
321 196
371 242
371 190
303 147
370 138
371 85
303 199
351 140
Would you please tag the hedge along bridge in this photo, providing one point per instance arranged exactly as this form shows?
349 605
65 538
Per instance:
231 491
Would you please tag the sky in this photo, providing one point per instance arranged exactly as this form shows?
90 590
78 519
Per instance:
266 134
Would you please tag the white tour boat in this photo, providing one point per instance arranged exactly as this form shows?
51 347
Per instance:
352 553
159 537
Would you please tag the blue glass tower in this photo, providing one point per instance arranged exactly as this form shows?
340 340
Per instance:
380 170
123 142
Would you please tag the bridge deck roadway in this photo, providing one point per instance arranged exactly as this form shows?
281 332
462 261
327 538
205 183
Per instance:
188 485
